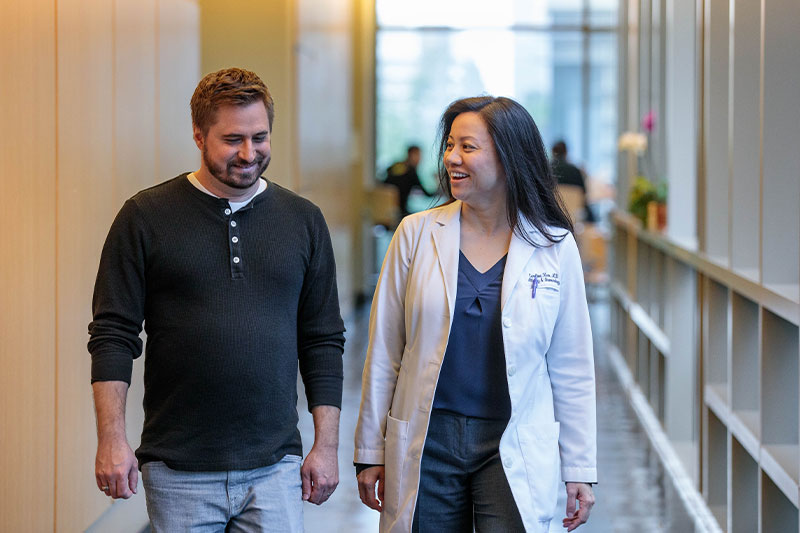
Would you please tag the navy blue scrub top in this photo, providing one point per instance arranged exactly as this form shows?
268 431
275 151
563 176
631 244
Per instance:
472 381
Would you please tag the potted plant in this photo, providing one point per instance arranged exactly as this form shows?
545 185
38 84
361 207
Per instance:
647 200
641 195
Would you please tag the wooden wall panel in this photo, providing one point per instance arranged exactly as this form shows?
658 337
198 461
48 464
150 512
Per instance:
178 74
135 95
135 146
79 108
264 42
85 210
325 163
363 176
154 75
27 268
135 157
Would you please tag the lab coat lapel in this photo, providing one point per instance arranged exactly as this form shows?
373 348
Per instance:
519 254
447 241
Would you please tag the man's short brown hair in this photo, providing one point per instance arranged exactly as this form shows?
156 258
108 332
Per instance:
230 86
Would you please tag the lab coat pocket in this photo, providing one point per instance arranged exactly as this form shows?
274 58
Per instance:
395 453
547 304
539 445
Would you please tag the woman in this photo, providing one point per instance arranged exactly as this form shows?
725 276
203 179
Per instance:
479 370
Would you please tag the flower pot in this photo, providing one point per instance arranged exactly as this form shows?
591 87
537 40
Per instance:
656 218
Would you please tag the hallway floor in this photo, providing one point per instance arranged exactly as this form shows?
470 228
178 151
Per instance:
633 494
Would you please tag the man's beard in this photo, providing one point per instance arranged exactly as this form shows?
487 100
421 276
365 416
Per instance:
232 176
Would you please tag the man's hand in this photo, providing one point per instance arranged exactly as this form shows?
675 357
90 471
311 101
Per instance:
582 492
366 486
320 474
115 468
320 470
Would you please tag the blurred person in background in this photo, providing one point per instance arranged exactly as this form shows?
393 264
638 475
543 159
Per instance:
403 175
568 174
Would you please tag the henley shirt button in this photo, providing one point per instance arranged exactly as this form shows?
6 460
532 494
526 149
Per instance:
507 322
227 211
236 260
233 223
235 239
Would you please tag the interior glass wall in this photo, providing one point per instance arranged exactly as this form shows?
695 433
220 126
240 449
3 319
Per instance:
556 57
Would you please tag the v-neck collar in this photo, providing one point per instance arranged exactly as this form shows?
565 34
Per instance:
480 280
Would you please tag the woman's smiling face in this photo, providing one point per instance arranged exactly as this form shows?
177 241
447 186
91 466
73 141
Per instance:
476 175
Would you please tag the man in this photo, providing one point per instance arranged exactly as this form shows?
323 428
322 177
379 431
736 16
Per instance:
234 279
403 175
568 174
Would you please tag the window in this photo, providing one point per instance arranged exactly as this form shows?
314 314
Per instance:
556 57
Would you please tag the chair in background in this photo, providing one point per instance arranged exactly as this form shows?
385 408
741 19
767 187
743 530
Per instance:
591 241
384 205
574 200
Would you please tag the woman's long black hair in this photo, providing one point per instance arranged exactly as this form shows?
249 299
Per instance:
530 184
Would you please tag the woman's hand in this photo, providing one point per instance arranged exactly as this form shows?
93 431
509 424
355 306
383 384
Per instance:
366 486
582 492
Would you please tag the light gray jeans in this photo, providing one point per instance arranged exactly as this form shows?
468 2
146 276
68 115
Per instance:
258 500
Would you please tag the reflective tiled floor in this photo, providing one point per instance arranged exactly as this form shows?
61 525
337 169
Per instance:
634 494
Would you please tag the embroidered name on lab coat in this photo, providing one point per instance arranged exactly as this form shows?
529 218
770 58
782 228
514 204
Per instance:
545 281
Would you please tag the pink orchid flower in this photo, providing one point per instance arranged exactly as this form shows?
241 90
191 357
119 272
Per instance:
649 121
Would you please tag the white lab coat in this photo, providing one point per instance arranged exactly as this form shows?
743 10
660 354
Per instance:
549 363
